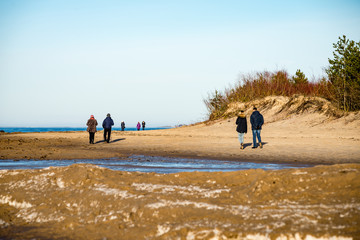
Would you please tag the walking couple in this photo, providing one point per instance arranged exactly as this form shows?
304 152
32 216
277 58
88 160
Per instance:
256 120
107 124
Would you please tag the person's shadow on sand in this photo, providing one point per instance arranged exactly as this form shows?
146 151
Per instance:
250 144
247 145
116 140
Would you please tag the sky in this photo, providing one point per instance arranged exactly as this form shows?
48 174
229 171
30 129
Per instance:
153 61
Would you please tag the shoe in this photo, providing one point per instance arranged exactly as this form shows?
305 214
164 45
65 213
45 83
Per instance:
260 144
254 147
242 146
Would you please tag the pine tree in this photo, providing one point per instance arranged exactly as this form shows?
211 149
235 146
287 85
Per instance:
299 78
344 73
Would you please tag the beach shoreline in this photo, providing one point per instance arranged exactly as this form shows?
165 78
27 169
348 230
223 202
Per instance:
291 134
218 140
84 201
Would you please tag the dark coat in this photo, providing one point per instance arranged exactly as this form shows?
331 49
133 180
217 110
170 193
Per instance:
91 123
257 120
107 123
241 124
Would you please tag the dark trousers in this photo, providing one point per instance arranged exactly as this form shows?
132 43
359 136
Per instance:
91 137
107 131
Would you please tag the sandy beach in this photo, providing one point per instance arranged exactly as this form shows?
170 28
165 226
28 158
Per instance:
308 137
88 202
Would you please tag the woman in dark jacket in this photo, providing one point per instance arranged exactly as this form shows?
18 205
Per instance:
241 127
91 123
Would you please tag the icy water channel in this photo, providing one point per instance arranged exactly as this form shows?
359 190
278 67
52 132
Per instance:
151 164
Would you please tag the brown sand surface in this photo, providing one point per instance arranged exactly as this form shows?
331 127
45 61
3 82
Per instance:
88 202
309 136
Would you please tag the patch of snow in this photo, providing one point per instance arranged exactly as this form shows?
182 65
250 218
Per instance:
60 183
167 203
3 223
39 217
184 190
204 234
299 173
115 192
192 235
161 230
14 203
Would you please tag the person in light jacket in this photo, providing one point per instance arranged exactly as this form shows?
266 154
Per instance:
107 124
257 120
241 127
91 123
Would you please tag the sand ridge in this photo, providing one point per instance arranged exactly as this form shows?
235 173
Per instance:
84 201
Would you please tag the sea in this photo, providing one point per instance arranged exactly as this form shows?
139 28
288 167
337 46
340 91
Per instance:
66 129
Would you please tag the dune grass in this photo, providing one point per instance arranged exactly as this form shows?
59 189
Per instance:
262 84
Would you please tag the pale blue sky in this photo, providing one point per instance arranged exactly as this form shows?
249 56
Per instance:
61 61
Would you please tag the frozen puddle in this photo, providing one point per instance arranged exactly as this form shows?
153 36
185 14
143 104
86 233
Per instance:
151 164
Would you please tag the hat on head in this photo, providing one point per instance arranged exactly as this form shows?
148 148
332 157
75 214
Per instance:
92 116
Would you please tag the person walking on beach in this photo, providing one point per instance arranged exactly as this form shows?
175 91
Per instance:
241 127
257 120
107 124
91 123
143 125
122 126
138 126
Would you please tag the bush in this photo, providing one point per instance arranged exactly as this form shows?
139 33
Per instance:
260 85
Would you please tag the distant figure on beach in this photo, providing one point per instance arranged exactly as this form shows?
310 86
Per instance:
241 127
143 125
91 123
138 126
107 124
257 120
122 126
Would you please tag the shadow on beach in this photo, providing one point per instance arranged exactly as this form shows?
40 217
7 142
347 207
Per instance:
116 140
250 144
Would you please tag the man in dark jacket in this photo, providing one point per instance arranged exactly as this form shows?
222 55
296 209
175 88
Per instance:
241 127
107 124
256 120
